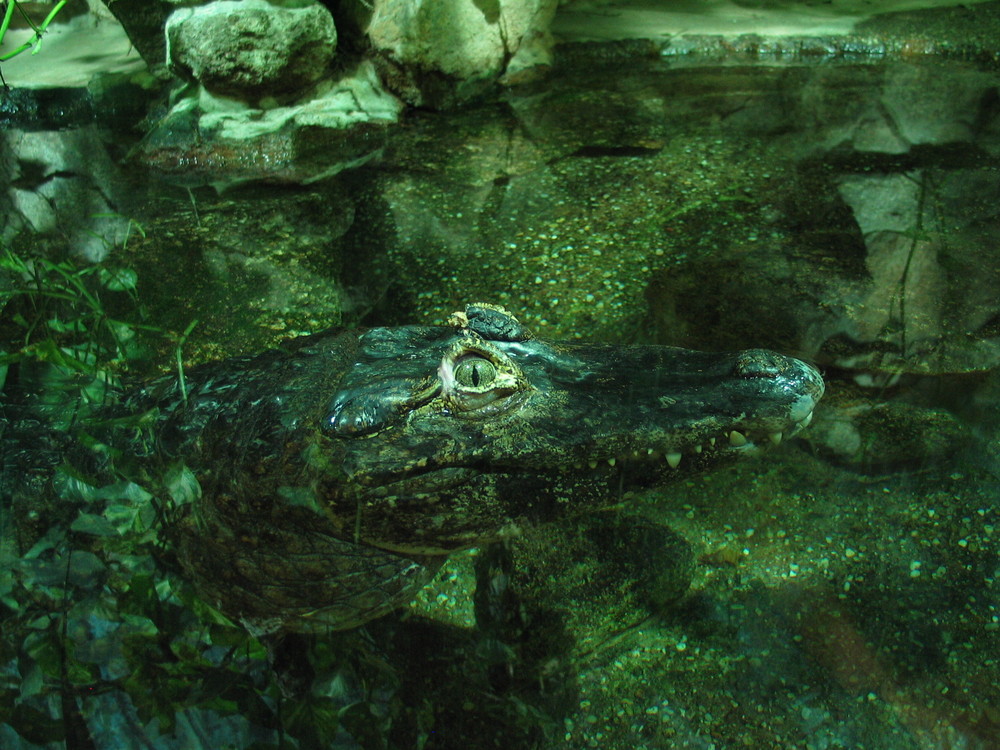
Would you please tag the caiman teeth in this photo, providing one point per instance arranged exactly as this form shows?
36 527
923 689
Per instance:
732 439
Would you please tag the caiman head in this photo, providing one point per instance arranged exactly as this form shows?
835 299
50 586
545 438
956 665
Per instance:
333 476
449 434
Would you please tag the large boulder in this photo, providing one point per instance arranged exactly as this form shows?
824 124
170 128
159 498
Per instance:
252 49
439 52
143 21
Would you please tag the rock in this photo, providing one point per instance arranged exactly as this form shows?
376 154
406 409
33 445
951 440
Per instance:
909 288
63 193
877 436
208 140
940 114
930 300
440 52
252 49
143 21
254 266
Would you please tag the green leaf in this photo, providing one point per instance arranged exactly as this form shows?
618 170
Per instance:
228 635
302 497
53 537
32 681
120 517
41 623
83 569
204 611
86 570
35 726
78 673
88 523
70 326
182 484
314 721
69 486
37 572
137 625
129 491
45 651
118 279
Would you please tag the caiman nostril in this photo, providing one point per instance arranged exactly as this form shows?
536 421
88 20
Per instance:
759 363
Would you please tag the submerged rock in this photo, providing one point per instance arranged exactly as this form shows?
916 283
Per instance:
61 190
878 436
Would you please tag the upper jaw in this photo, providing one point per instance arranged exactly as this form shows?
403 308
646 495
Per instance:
713 439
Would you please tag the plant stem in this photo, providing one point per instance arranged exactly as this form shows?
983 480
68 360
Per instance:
39 30
180 364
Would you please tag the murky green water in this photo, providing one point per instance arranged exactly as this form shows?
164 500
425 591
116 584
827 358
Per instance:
843 588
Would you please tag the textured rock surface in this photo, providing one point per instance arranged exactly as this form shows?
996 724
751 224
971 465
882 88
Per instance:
143 21
885 435
673 205
61 190
250 49
207 140
437 53
262 272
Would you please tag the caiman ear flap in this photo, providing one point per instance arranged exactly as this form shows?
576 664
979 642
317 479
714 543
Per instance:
492 322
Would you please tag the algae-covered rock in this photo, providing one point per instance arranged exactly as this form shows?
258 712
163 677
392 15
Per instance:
876 436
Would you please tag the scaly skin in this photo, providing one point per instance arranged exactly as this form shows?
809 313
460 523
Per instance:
336 475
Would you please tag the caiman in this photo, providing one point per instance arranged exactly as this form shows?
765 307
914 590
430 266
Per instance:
336 473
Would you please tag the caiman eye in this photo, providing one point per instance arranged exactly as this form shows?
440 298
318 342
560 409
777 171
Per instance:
476 376
475 372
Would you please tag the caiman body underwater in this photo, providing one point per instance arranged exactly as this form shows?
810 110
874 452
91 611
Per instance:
337 473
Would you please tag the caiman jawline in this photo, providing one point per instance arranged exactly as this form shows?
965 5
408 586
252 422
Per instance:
732 441
729 443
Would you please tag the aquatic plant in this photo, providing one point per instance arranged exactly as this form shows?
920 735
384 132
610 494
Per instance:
88 609
35 41
57 323
93 614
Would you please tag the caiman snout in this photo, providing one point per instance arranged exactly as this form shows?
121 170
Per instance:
786 374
